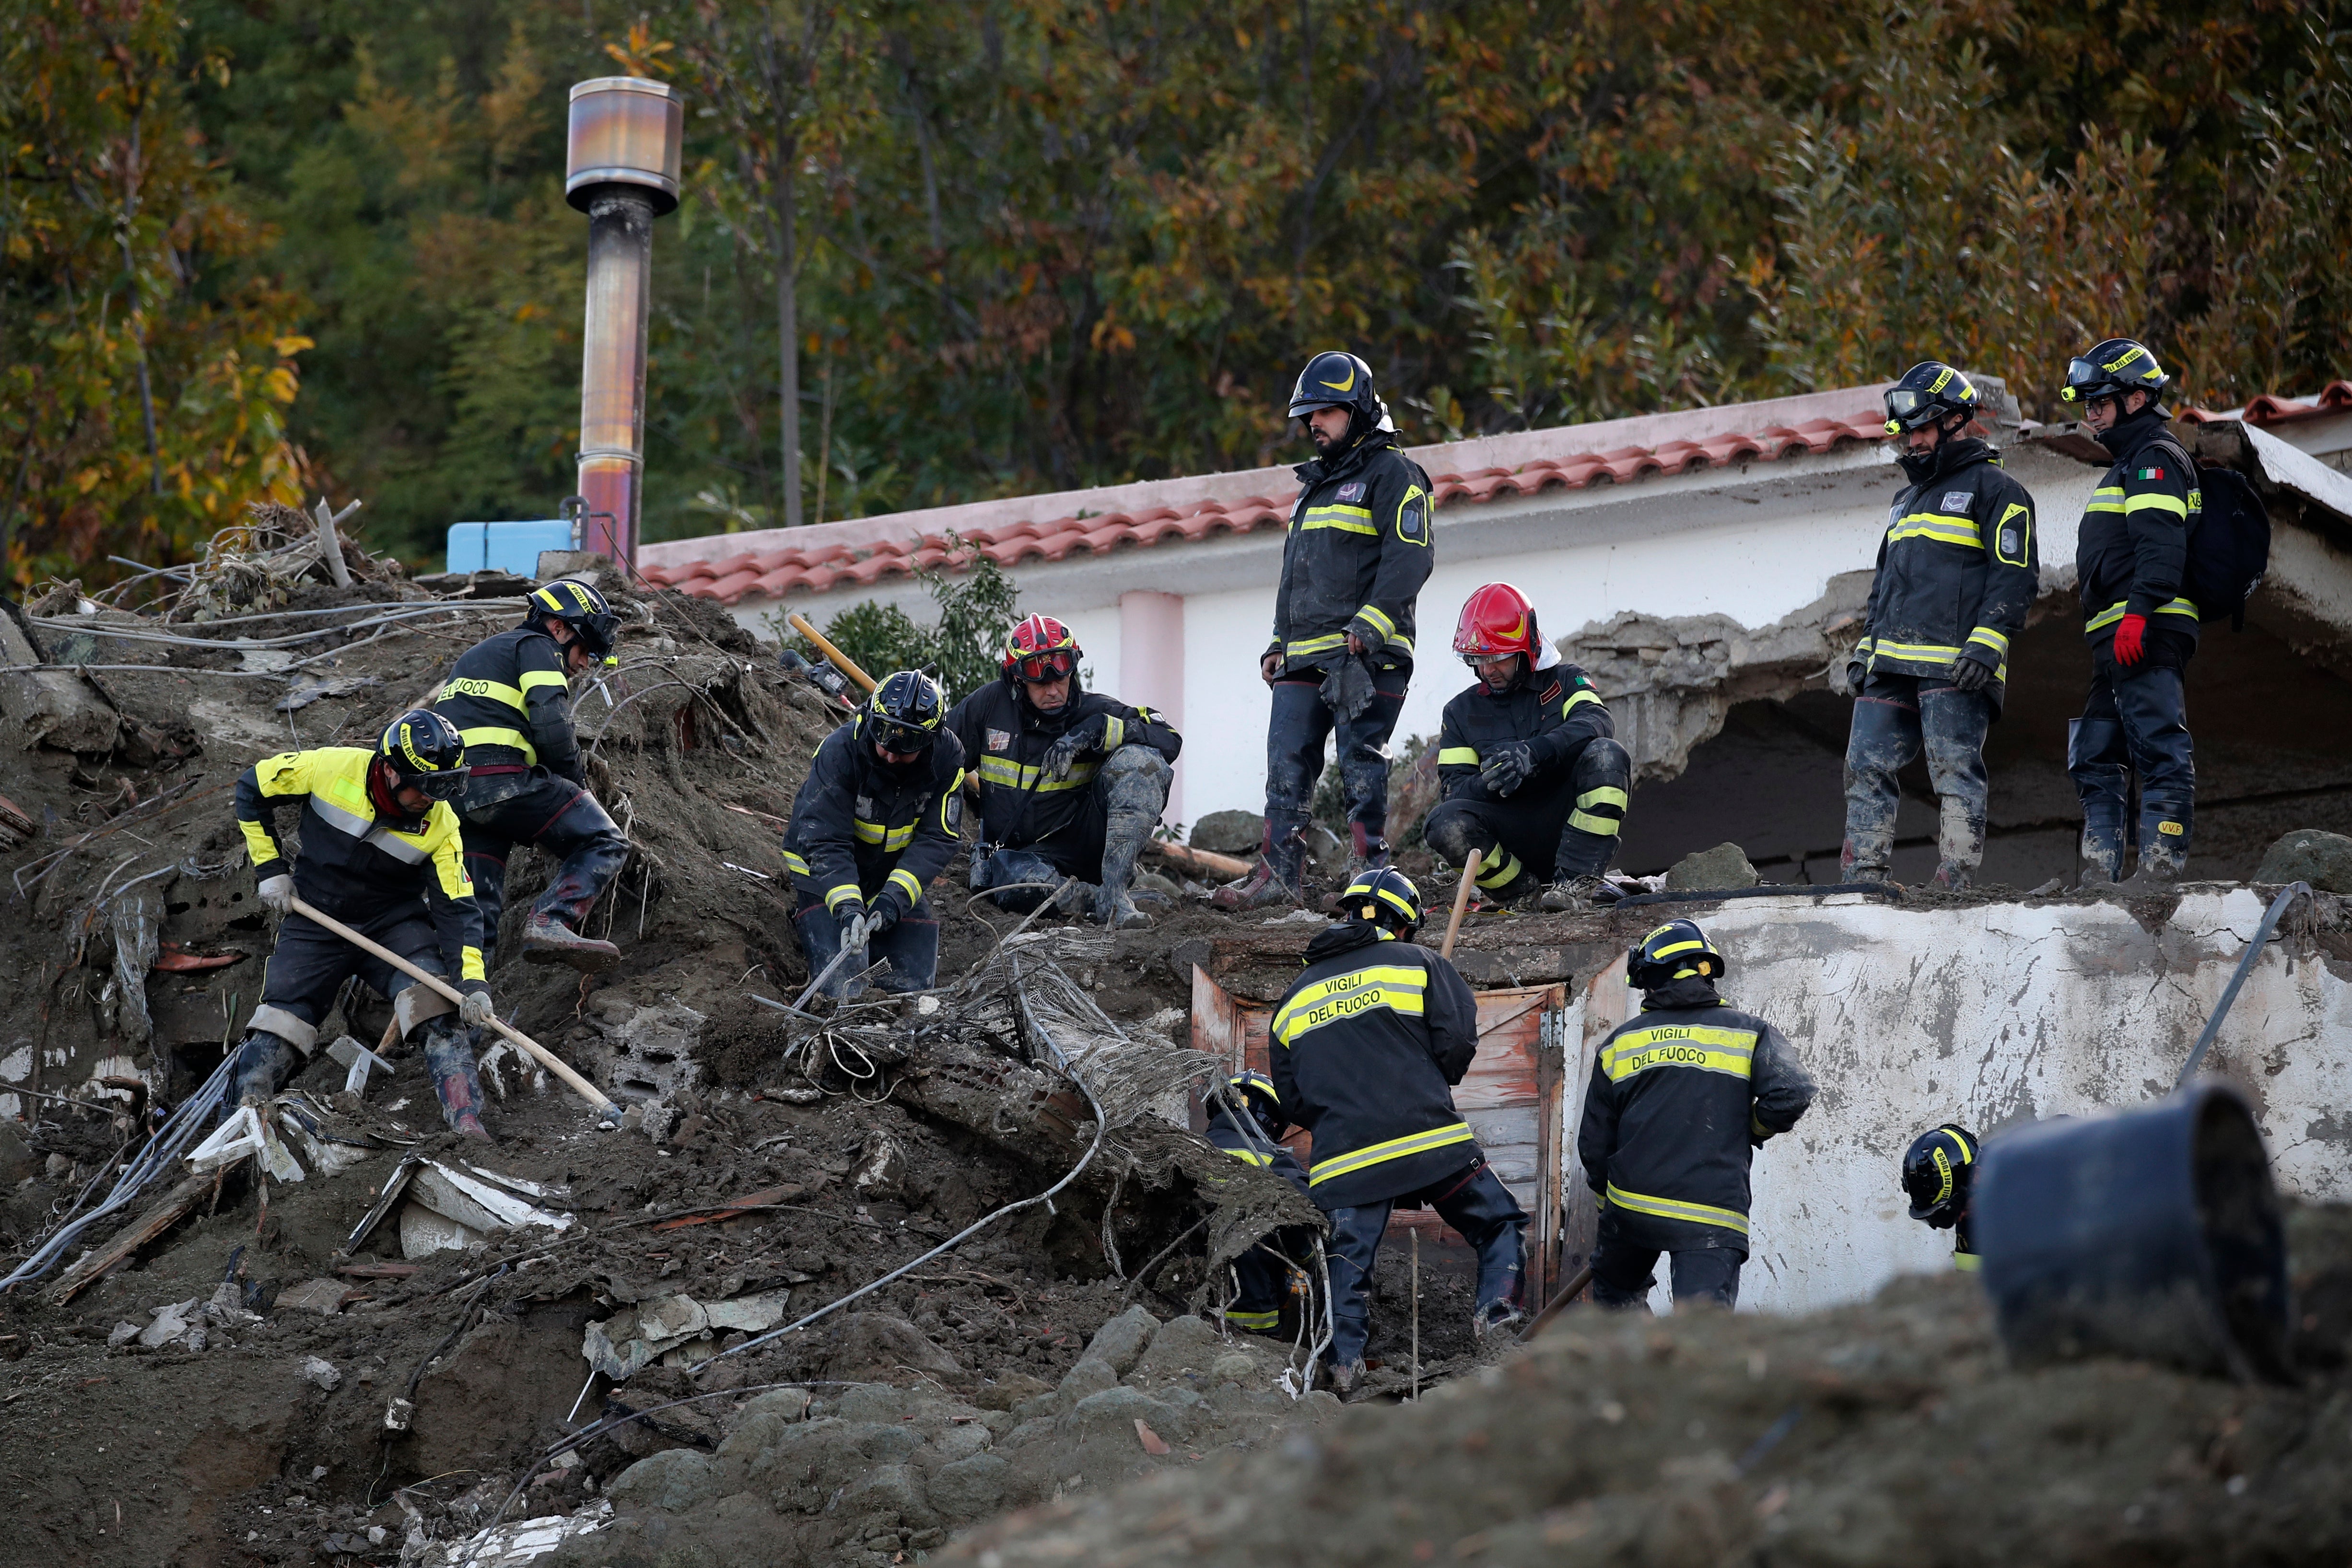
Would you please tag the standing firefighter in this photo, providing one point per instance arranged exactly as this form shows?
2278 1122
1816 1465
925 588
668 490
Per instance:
1681 1095
1939 1178
1246 1122
2131 556
379 853
874 822
509 698
1068 783
1533 780
1352 564
1367 1046
1956 574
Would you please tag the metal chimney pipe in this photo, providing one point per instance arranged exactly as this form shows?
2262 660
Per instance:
621 168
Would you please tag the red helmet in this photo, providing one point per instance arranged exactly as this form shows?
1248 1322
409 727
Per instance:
1496 620
1040 648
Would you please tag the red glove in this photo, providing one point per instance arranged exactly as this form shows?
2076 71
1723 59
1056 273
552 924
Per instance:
2129 631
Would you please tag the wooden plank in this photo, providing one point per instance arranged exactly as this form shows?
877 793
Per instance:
176 1206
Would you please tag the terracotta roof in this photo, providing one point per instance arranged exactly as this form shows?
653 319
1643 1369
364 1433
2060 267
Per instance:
775 573
2272 408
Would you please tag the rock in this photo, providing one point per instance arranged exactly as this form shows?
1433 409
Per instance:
872 1403
788 1403
1088 1376
122 1335
321 1372
1118 1409
960 1442
1153 882
1724 866
672 1481
15 1158
1181 1345
171 1323
1009 1390
1120 1341
880 1171
874 1347
1229 832
2310 854
890 1492
1233 1367
969 1487
324 1297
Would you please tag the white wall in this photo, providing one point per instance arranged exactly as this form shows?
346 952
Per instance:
1995 1013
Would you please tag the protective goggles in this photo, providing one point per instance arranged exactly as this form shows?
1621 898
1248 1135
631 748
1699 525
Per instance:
1907 408
1479 661
446 785
901 739
1040 666
2088 379
597 632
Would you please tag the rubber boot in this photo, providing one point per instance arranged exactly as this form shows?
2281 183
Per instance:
1367 850
1576 895
2163 847
1136 781
1501 1276
546 940
266 1063
1273 880
451 1062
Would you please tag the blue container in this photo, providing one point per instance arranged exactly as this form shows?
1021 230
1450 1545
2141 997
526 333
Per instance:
506 546
2153 1234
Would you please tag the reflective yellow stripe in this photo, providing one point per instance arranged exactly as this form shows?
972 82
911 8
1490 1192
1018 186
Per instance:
2115 613
1582 695
1006 771
893 839
795 864
1604 794
1380 1153
1674 1208
2025 535
1316 645
2179 608
2107 498
1253 1320
837 897
1251 1157
1114 733
1862 650
1731 1051
1606 827
532 679
1675 947
1457 757
1916 652
496 690
1936 525
1997 641
1502 869
1371 613
2173 504
1349 519
1967 1262
493 736
1392 986
907 882
469 966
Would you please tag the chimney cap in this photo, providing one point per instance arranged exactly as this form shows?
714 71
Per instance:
625 131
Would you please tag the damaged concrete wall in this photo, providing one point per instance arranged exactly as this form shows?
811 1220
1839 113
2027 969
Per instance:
1988 1014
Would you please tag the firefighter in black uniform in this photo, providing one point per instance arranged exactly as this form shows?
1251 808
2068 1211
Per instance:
874 822
1939 1174
1246 1122
379 853
509 698
1534 779
1680 1096
1066 782
2131 556
1366 1047
1352 564
1956 571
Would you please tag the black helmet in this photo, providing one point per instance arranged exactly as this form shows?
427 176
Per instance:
580 607
2113 368
1385 897
425 753
1675 951
1337 380
1255 1091
1936 1172
904 712
1929 392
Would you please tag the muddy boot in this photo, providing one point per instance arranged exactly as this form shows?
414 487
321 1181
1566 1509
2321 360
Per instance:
1344 1379
1577 895
266 1063
548 941
1367 850
1077 898
1274 881
1496 1316
1135 784
1114 907
1952 878
451 1063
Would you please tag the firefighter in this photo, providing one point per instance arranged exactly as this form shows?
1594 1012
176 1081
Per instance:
2131 557
874 822
1533 779
1680 1096
1067 783
1956 571
1366 1047
381 853
1352 564
509 696
1938 1171
1246 1122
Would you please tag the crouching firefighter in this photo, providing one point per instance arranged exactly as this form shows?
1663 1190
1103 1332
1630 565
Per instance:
1682 1094
1366 1047
1533 777
379 853
1956 571
1245 1120
874 822
1067 783
1939 1178
509 698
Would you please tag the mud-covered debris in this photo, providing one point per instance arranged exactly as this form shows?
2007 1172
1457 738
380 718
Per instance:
677 1330
512 1545
321 1373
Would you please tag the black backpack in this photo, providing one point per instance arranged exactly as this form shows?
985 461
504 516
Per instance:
2229 547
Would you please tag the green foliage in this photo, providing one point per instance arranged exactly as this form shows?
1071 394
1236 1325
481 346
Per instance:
976 608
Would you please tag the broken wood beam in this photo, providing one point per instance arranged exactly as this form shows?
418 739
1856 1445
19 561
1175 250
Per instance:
176 1206
1216 865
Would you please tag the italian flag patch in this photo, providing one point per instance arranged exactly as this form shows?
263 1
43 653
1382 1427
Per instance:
2151 473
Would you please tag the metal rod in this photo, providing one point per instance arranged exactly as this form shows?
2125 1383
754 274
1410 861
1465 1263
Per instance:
1461 903
1567 1292
2287 895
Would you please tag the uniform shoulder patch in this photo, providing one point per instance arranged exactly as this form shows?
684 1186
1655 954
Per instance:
1551 693
2150 473
1958 500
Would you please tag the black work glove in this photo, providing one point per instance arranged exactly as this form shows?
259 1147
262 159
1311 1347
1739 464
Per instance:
1507 767
1973 670
1088 734
886 914
1857 670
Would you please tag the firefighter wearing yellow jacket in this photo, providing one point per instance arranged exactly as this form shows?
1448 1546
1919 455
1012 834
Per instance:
1682 1094
381 853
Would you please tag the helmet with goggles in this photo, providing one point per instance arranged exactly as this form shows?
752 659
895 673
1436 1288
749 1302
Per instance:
580 607
1929 392
1040 648
425 754
903 715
